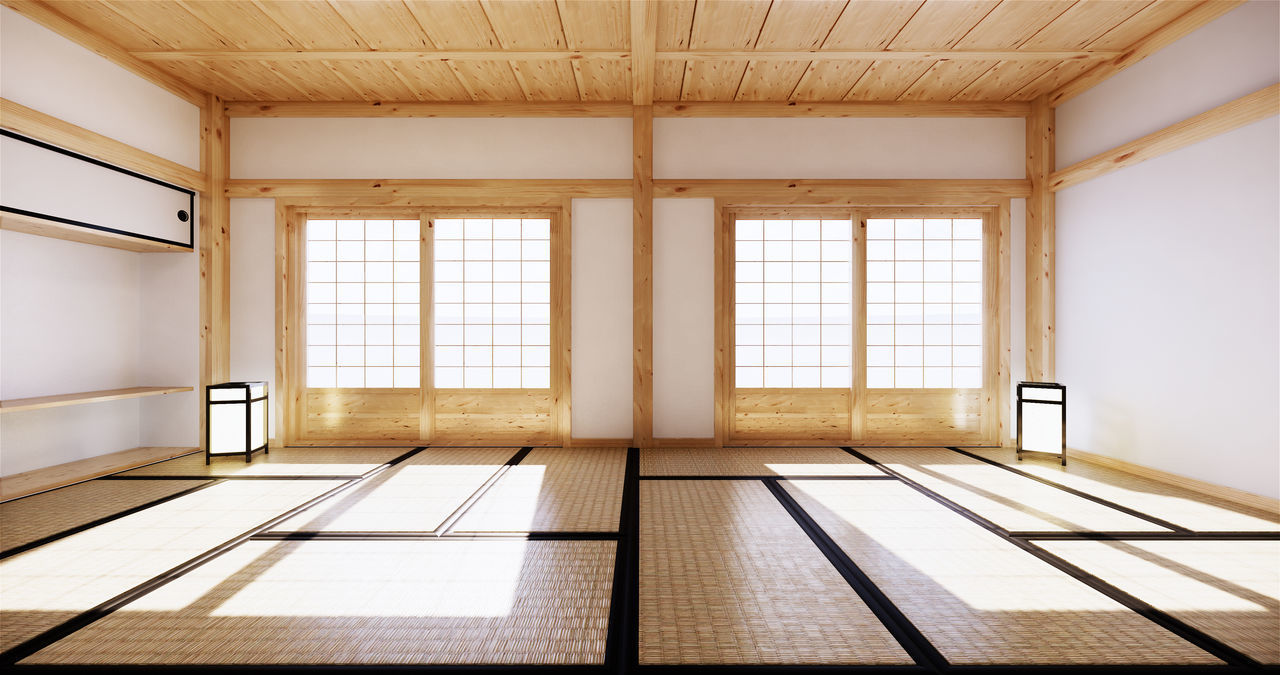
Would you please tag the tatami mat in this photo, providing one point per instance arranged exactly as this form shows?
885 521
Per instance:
727 577
416 495
337 602
47 585
752 462
1181 506
279 462
974 596
553 489
25 520
1013 502
1228 589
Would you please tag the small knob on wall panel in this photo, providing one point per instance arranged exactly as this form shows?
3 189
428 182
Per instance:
183 216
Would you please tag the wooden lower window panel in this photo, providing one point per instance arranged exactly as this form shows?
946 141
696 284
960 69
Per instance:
518 416
791 414
941 416
340 414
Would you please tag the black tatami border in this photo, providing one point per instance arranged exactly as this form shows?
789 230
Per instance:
1195 636
622 642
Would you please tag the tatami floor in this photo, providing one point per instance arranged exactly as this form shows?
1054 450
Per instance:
615 559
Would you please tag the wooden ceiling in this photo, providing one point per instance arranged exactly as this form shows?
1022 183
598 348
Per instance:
582 50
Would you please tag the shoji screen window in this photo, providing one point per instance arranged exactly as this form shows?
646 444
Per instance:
492 301
924 302
792 311
362 303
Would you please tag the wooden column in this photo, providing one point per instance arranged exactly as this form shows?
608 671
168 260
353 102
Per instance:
642 271
1040 240
215 251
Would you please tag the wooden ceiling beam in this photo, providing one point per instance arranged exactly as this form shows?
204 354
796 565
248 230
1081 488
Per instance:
616 55
1172 32
644 50
623 109
43 14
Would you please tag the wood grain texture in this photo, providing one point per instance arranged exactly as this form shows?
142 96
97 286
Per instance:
426 328
215 250
344 414
1229 116
502 416
23 120
912 416
644 45
426 109
851 192
817 415
1039 244
427 193
1267 504
39 402
723 310
840 109
562 320
39 480
642 274
1159 39
53 229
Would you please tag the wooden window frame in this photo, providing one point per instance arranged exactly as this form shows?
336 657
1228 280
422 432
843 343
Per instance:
804 416
516 416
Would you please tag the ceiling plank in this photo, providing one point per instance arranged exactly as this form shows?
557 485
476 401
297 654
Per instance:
1145 47
608 54
851 109
46 16
413 109
644 45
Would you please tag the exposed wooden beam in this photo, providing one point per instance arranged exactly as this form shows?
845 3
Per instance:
604 109
1040 243
641 54
644 51
642 273
45 15
1259 105
215 252
879 192
852 109
418 109
23 120
491 192
1173 31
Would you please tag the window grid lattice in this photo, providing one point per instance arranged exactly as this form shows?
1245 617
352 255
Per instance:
492 303
792 314
924 302
362 289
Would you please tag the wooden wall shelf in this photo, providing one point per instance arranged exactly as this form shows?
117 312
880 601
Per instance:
38 402
84 235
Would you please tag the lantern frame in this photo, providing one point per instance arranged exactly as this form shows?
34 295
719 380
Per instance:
1061 402
247 401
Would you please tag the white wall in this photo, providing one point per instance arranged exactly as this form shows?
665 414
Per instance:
1229 58
431 148
45 71
601 318
76 317
839 148
1168 272
683 318
253 298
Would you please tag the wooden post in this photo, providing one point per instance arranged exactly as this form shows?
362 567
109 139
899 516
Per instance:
1040 243
215 251
642 272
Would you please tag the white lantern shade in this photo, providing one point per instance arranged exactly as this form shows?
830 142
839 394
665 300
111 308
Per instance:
1042 418
236 418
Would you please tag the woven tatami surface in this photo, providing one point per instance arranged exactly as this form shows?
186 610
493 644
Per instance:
974 596
1194 510
416 495
25 520
553 489
334 602
727 577
1228 589
48 585
1013 502
752 462
279 462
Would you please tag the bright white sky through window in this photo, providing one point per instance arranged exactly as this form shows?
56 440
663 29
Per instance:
492 300
792 283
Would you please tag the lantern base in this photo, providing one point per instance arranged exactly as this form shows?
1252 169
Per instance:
1060 455
248 454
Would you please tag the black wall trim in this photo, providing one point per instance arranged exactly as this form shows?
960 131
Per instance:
769 477
1070 490
103 520
315 535
1152 536
912 640
1176 626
